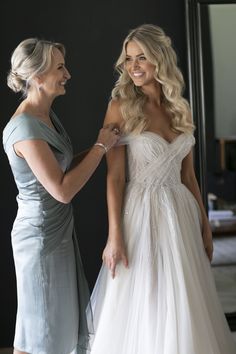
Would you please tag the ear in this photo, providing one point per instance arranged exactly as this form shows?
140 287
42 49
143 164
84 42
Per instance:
38 79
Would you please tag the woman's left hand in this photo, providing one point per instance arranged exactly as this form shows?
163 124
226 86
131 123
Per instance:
207 239
113 254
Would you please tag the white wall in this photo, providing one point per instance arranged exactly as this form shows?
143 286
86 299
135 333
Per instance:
222 20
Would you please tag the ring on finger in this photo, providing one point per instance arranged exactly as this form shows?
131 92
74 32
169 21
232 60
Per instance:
116 130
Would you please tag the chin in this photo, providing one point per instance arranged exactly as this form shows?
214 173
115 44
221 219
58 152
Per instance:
138 84
62 92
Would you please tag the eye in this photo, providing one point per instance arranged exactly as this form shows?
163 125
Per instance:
127 59
142 58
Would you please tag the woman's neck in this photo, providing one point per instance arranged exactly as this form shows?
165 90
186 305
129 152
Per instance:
154 94
37 105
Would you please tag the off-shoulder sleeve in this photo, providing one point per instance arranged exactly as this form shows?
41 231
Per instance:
184 144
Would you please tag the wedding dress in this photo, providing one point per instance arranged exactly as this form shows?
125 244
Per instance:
166 301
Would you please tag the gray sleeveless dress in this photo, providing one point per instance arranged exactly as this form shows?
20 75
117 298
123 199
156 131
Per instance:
51 288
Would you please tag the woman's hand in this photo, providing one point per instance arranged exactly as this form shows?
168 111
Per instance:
207 239
113 254
109 135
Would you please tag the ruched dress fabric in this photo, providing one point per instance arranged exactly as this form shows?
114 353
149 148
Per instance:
166 301
52 291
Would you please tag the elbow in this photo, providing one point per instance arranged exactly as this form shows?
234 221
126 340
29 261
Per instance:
62 196
64 200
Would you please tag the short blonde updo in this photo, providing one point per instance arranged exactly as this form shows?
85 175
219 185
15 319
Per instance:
30 58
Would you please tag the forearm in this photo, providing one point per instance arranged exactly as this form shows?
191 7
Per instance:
115 194
79 157
193 186
77 176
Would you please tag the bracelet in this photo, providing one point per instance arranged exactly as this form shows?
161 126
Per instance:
102 145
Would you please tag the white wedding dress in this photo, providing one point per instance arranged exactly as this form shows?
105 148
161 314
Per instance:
166 301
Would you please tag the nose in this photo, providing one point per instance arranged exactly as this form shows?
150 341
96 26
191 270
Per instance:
67 74
135 63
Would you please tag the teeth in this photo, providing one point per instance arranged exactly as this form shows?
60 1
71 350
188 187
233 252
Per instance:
138 74
63 83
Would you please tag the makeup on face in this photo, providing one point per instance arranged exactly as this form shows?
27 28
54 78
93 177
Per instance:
140 70
55 79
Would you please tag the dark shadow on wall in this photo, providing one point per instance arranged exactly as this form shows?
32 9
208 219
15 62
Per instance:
93 33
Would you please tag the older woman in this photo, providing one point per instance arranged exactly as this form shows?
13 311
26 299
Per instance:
51 287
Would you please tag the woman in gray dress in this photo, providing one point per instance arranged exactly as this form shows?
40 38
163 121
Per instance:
51 288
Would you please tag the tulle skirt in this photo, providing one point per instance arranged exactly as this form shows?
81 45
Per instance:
166 301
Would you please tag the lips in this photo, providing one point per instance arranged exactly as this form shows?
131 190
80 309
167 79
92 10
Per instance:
138 74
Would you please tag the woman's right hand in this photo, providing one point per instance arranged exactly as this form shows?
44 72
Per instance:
109 135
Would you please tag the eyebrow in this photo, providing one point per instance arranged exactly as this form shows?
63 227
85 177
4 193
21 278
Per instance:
138 55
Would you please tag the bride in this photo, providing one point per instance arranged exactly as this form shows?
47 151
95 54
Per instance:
155 293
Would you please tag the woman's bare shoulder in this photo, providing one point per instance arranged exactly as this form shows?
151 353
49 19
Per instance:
114 103
113 114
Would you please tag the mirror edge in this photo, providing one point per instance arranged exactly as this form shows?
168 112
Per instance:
196 89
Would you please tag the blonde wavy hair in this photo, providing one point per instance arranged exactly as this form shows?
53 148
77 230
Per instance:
157 49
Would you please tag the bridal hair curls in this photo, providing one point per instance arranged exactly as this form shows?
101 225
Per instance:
156 46
30 58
